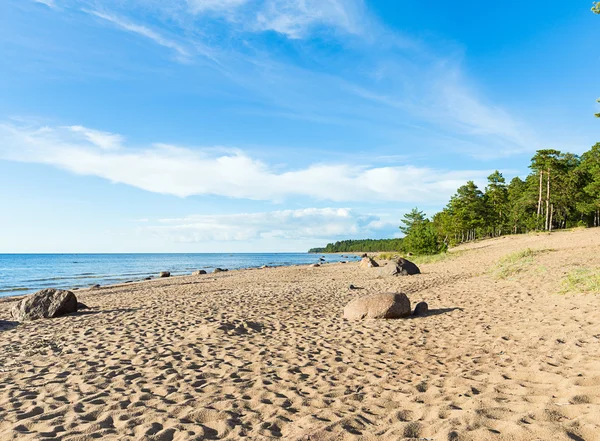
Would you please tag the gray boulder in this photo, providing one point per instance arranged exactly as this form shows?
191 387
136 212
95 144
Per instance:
47 303
164 274
198 273
400 267
407 268
378 306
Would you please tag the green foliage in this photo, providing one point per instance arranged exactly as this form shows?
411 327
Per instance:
387 256
422 238
411 220
562 191
596 7
581 280
360 246
434 258
515 263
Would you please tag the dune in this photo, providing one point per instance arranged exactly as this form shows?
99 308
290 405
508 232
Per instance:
510 350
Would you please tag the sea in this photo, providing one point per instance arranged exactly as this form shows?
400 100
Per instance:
27 273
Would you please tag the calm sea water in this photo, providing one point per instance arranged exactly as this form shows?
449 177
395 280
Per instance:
25 273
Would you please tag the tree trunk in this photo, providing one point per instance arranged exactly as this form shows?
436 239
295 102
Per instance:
539 207
551 213
548 201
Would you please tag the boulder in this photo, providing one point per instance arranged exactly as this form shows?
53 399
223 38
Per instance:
96 286
198 273
378 306
47 303
401 267
164 274
421 309
407 267
219 270
315 265
367 262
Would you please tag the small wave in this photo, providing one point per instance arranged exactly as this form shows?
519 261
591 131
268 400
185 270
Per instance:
14 289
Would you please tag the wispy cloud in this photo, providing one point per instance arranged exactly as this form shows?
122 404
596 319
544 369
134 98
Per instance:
50 3
104 140
292 18
180 171
382 79
301 224
144 31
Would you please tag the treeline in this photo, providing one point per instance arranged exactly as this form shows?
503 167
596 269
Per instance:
364 245
561 191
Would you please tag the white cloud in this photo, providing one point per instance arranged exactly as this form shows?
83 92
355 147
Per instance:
288 225
50 3
144 31
179 171
104 140
381 79
292 18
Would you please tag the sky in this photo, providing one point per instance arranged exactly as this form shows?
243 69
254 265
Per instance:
274 125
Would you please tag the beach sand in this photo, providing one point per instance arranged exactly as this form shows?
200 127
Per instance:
266 354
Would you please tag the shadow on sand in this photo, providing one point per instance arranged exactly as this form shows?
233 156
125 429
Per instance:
437 311
90 311
5 325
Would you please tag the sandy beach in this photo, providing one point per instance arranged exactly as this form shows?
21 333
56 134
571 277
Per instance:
266 354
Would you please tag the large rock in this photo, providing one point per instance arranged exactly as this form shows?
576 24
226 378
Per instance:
407 268
367 262
378 306
198 273
164 274
47 303
401 267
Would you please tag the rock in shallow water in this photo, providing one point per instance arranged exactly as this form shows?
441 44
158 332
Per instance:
378 306
47 303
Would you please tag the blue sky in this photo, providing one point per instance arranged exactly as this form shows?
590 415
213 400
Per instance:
273 125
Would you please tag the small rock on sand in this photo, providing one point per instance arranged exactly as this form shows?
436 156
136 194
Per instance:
96 286
219 270
315 265
198 273
47 303
378 306
164 274
367 262
421 309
